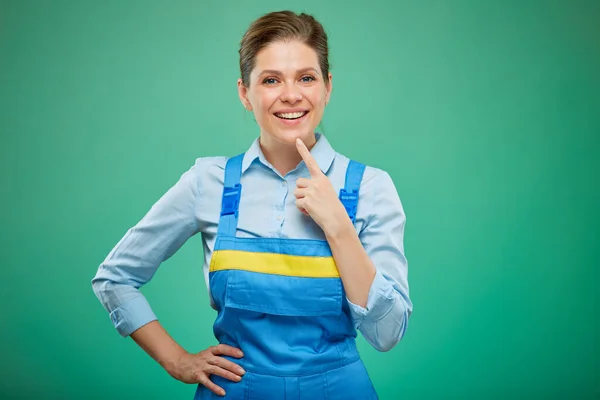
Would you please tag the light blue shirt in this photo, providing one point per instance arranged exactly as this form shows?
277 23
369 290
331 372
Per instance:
267 209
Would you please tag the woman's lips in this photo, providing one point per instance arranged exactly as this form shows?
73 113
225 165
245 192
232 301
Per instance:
290 120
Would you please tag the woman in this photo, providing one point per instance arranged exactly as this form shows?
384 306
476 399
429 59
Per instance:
291 277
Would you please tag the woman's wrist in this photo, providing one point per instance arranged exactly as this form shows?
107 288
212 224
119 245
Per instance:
339 228
172 361
155 341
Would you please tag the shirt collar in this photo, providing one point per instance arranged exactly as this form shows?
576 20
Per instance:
322 152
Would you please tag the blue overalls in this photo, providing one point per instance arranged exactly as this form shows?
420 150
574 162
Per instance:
281 301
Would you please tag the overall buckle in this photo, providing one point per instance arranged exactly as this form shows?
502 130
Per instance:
350 202
231 199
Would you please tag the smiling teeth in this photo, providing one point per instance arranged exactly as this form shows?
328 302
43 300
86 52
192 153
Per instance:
291 115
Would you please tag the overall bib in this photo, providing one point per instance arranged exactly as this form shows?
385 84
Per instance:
281 301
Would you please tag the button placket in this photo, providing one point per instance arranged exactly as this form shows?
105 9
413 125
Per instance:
281 206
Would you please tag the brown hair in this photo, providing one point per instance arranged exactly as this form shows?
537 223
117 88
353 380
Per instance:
282 26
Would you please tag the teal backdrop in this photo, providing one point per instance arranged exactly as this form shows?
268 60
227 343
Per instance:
485 113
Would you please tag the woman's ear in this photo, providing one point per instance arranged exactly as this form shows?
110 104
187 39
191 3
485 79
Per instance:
328 88
243 94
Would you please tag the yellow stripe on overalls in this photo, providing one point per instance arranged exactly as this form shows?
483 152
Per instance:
272 263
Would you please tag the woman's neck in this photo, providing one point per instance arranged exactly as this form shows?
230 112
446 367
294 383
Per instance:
284 157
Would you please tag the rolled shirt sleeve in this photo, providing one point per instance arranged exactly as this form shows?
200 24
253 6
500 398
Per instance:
385 318
136 257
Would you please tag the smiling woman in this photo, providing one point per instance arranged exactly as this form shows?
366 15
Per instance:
292 278
285 80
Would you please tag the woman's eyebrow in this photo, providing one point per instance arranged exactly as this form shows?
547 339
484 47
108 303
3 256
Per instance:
279 73
309 69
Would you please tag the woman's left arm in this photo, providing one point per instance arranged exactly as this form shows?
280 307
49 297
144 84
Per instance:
374 269
372 266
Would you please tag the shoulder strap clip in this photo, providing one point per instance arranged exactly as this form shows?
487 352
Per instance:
350 202
231 200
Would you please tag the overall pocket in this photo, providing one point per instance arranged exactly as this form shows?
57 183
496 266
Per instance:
283 295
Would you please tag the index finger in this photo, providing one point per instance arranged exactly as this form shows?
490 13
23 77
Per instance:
310 162
226 350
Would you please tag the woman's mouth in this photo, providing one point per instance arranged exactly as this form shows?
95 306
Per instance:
291 116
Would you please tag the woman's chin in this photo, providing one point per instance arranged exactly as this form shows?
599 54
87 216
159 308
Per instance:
289 136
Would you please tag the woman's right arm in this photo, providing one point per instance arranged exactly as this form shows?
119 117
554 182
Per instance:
132 263
134 260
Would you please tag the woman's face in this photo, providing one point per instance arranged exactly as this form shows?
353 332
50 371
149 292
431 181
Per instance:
287 92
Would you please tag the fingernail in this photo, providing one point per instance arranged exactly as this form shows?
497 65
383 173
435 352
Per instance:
241 371
240 354
222 393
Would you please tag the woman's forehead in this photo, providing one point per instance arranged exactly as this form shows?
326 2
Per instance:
286 57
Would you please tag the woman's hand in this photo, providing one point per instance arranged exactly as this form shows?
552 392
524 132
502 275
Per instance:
317 198
197 368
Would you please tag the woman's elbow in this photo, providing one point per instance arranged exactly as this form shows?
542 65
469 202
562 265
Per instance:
390 341
99 289
389 335
387 345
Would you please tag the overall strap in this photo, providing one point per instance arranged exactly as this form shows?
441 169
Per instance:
349 194
232 191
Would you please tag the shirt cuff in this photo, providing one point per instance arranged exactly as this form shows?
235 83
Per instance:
379 303
132 315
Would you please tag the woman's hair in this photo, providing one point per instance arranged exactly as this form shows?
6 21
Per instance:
283 26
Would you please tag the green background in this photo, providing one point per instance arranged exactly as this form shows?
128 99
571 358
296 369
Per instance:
485 113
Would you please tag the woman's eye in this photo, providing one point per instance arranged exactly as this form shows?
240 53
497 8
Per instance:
307 78
270 81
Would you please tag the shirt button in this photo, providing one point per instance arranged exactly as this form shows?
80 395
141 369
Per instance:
279 218
284 183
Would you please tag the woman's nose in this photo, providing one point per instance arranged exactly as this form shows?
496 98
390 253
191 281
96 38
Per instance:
291 94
